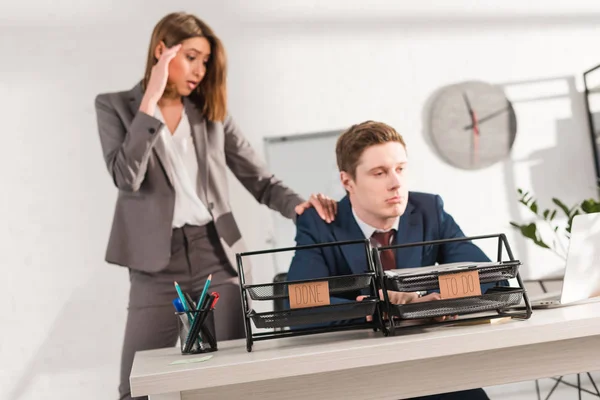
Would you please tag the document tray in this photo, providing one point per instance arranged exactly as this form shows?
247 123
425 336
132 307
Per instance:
460 306
426 278
314 315
337 284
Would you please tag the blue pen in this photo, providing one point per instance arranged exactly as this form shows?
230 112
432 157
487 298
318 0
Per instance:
185 321
178 306
203 295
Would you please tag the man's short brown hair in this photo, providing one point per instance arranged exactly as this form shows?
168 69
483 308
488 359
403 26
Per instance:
352 143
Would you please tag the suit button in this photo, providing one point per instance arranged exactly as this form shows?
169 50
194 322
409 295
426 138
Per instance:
152 130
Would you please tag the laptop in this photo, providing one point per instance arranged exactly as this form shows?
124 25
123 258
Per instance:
582 271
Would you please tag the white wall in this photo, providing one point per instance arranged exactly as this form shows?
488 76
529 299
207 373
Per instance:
296 66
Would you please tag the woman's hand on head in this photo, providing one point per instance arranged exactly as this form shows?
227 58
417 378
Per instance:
158 80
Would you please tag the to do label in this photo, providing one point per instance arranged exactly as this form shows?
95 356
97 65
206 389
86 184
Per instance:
462 284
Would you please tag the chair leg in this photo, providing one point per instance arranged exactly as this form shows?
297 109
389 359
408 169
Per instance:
578 386
554 387
593 384
574 386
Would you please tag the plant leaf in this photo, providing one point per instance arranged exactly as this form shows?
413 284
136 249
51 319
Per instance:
562 206
590 206
570 224
530 231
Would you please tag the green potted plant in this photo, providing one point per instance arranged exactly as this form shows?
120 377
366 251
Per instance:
559 232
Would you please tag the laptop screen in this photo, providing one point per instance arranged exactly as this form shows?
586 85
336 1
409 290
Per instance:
582 273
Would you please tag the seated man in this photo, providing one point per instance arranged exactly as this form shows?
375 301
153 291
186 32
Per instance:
372 160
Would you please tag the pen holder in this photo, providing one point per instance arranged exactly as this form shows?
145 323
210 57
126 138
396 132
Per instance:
196 334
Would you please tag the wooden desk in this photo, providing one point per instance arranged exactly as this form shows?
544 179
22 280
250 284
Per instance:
366 365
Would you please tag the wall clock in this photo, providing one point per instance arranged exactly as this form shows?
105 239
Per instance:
472 124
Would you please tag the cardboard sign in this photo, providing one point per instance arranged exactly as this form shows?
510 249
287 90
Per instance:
462 284
309 294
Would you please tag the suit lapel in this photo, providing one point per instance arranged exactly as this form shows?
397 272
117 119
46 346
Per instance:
347 229
410 230
199 135
135 99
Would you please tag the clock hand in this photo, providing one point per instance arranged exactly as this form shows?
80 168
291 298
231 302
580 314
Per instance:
469 108
475 128
488 117
475 141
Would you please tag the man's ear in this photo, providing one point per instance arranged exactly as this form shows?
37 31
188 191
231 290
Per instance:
159 49
347 181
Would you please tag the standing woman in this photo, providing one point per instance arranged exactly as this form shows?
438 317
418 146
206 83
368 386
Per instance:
167 144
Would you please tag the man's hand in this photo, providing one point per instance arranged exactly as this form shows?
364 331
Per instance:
412 299
325 206
409 297
361 298
400 298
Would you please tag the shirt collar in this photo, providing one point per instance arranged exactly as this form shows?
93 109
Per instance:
183 122
367 229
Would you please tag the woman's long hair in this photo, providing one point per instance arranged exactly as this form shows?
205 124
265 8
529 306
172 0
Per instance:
211 94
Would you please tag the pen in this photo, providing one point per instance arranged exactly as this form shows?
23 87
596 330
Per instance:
187 323
183 301
190 301
177 304
204 329
179 308
181 296
203 295
216 298
197 326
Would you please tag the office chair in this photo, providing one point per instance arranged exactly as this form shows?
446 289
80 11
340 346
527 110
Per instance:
560 378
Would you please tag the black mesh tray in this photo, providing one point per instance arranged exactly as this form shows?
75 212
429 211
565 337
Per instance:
464 305
314 315
337 284
487 273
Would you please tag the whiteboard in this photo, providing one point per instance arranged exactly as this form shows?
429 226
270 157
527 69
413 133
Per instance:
307 164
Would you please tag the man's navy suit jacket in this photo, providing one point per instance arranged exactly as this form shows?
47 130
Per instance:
423 220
